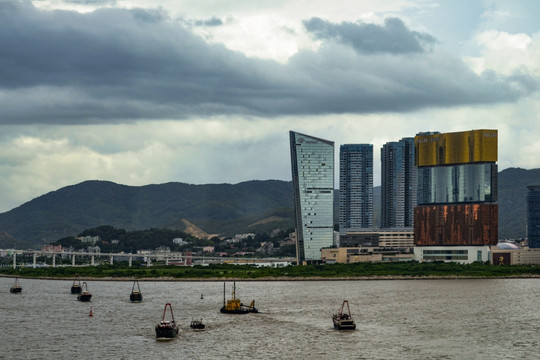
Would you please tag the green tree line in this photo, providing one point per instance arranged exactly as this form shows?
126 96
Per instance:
328 271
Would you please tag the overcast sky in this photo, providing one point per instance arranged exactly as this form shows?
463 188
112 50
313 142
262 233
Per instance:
146 91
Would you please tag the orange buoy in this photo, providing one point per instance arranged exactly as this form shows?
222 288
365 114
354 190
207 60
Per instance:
90 312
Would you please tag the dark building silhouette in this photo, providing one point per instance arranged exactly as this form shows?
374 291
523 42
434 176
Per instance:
533 216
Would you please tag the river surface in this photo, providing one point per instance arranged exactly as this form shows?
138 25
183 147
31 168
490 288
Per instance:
396 319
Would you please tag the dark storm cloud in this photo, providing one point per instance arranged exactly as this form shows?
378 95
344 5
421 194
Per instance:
121 65
214 21
393 37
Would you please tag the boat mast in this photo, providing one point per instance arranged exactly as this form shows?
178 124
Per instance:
224 293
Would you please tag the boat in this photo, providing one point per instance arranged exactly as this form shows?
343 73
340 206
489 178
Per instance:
235 306
76 287
16 288
343 319
166 329
135 295
197 324
84 295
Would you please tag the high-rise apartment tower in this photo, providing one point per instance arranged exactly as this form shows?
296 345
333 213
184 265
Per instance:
312 165
355 186
398 184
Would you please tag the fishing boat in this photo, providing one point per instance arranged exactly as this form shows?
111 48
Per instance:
84 295
343 319
197 324
16 288
76 287
166 329
135 295
234 305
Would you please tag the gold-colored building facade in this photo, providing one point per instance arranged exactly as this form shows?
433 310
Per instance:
463 147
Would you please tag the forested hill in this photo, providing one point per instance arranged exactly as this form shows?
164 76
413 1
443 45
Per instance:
227 209
215 208
513 190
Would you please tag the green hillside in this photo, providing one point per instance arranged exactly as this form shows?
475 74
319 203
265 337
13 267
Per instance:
216 208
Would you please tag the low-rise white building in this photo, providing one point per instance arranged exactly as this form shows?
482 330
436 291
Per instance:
459 254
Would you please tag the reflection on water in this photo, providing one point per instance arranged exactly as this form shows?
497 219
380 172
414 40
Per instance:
406 319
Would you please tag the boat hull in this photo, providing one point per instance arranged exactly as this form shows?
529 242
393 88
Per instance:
84 297
167 332
76 289
240 311
344 324
135 297
197 325
15 290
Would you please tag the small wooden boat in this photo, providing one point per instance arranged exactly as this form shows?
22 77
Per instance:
197 324
136 295
235 306
167 329
16 288
84 294
343 319
76 287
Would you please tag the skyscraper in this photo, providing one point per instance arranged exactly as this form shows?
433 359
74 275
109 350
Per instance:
312 165
355 186
533 216
456 217
398 184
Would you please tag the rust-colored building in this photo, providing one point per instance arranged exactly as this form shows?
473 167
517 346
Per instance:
457 192
456 225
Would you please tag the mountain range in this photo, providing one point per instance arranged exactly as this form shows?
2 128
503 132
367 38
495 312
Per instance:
203 210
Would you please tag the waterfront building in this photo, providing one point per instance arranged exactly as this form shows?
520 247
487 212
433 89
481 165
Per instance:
355 186
398 184
399 238
349 255
390 238
312 165
533 216
500 256
457 215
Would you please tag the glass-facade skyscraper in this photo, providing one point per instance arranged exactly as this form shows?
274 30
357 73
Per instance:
355 186
312 165
533 216
399 180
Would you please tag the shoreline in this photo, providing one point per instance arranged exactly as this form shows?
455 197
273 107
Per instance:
312 278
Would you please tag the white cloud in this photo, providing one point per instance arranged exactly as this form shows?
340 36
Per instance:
505 53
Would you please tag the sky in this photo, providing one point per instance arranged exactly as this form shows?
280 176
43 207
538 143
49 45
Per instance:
147 92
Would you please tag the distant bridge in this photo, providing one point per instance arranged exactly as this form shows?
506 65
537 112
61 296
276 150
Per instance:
168 258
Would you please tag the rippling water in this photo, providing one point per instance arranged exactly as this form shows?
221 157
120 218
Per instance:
403 319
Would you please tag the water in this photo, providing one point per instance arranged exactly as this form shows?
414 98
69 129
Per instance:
402 319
